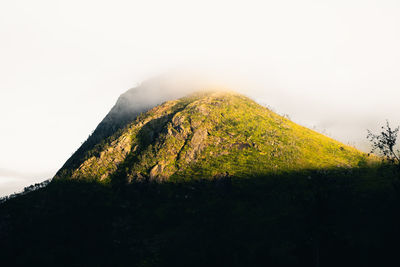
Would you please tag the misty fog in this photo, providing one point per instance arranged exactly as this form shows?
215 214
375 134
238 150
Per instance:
330 65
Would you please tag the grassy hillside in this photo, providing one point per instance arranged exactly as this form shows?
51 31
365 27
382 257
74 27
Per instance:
246 187
213 134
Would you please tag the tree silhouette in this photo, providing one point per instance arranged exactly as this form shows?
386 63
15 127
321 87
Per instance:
384 143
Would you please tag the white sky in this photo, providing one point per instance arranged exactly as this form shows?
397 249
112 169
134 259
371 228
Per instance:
330 64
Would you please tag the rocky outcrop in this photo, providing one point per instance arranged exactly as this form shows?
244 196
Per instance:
197 144
208 135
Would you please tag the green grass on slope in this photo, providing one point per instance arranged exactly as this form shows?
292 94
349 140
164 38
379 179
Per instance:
248 139
215 134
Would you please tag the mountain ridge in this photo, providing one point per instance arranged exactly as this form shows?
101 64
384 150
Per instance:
210 134
227 182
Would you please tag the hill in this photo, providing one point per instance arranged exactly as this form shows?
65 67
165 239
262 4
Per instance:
211 179
207 135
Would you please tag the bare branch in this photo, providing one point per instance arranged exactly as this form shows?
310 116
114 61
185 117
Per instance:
384 143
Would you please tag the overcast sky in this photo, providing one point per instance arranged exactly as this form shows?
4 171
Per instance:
333 64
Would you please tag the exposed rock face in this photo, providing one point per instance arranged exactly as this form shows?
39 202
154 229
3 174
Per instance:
157 171
197 143
128 106
206 135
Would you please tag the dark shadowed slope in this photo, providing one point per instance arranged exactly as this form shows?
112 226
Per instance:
345 217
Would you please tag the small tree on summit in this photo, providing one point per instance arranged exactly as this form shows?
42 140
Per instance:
384 143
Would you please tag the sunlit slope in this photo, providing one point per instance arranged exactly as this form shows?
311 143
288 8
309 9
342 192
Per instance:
208 135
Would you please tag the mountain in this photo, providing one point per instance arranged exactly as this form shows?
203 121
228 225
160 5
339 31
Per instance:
223 181
203 135
128 106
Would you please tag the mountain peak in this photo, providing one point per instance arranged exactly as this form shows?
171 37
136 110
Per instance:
209 134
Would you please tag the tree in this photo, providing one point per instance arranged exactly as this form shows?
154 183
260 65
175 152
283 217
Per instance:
385 142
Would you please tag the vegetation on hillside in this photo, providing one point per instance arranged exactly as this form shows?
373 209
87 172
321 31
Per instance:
212 179
211 134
